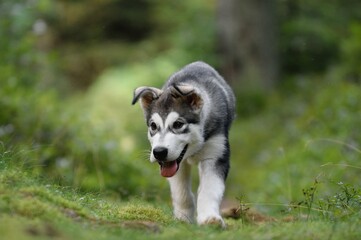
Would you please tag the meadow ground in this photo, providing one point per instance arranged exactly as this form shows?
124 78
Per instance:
36 209
295 166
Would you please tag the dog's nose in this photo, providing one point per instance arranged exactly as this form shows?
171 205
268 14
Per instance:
160 153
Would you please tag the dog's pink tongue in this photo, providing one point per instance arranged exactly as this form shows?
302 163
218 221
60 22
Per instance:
169 169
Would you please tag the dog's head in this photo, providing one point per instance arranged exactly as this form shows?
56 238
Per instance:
173 119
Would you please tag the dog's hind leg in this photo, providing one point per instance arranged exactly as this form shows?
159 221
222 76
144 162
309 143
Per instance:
182 196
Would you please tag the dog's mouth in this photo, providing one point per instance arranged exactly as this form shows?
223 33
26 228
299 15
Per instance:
170 168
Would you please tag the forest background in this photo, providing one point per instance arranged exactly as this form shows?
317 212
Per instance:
68 70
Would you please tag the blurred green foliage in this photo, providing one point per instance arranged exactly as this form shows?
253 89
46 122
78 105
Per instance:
94 140
305 131
313 34
351 53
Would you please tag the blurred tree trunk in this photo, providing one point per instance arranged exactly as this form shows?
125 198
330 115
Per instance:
247 41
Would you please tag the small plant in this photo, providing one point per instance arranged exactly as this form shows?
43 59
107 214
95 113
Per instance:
309 197
345 202
242 209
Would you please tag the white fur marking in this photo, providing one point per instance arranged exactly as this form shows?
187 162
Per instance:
212 149
156 137
182 196
173 142
210 194
211 186
171 118
158 120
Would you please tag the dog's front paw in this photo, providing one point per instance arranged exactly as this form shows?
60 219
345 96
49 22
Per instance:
212 221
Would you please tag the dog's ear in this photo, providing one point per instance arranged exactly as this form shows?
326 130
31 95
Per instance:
181 90
146 95
188 94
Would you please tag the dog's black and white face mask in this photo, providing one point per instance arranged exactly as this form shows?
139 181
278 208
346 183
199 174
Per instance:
173 117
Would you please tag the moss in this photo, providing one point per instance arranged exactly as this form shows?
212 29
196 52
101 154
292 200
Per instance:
56 200
144 212
24 195
32 208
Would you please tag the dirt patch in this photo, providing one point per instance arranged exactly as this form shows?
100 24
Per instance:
46 230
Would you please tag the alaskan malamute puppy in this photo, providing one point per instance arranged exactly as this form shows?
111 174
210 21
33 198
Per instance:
188 122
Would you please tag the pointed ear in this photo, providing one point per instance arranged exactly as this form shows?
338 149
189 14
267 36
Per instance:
188 94
146 95
181 90
195 101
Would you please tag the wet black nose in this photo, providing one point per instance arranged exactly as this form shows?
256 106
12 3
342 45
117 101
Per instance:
160 153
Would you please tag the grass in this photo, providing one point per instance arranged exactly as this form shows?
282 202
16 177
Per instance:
82 171
39 208
34 208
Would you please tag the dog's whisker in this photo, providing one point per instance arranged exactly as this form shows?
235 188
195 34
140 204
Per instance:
144 155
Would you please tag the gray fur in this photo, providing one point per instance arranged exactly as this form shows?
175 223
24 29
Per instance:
207 80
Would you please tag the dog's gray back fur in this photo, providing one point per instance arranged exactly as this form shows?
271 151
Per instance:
218 97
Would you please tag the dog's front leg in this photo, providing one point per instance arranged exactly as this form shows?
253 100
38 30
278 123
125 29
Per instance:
182 196
210 194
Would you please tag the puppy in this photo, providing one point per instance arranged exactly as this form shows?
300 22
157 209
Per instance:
188 123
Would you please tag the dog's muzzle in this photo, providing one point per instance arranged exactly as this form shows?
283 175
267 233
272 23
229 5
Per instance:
170 168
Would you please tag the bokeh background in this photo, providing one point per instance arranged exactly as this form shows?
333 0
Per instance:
68 70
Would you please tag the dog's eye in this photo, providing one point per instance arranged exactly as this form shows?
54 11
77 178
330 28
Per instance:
153 126
178 124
